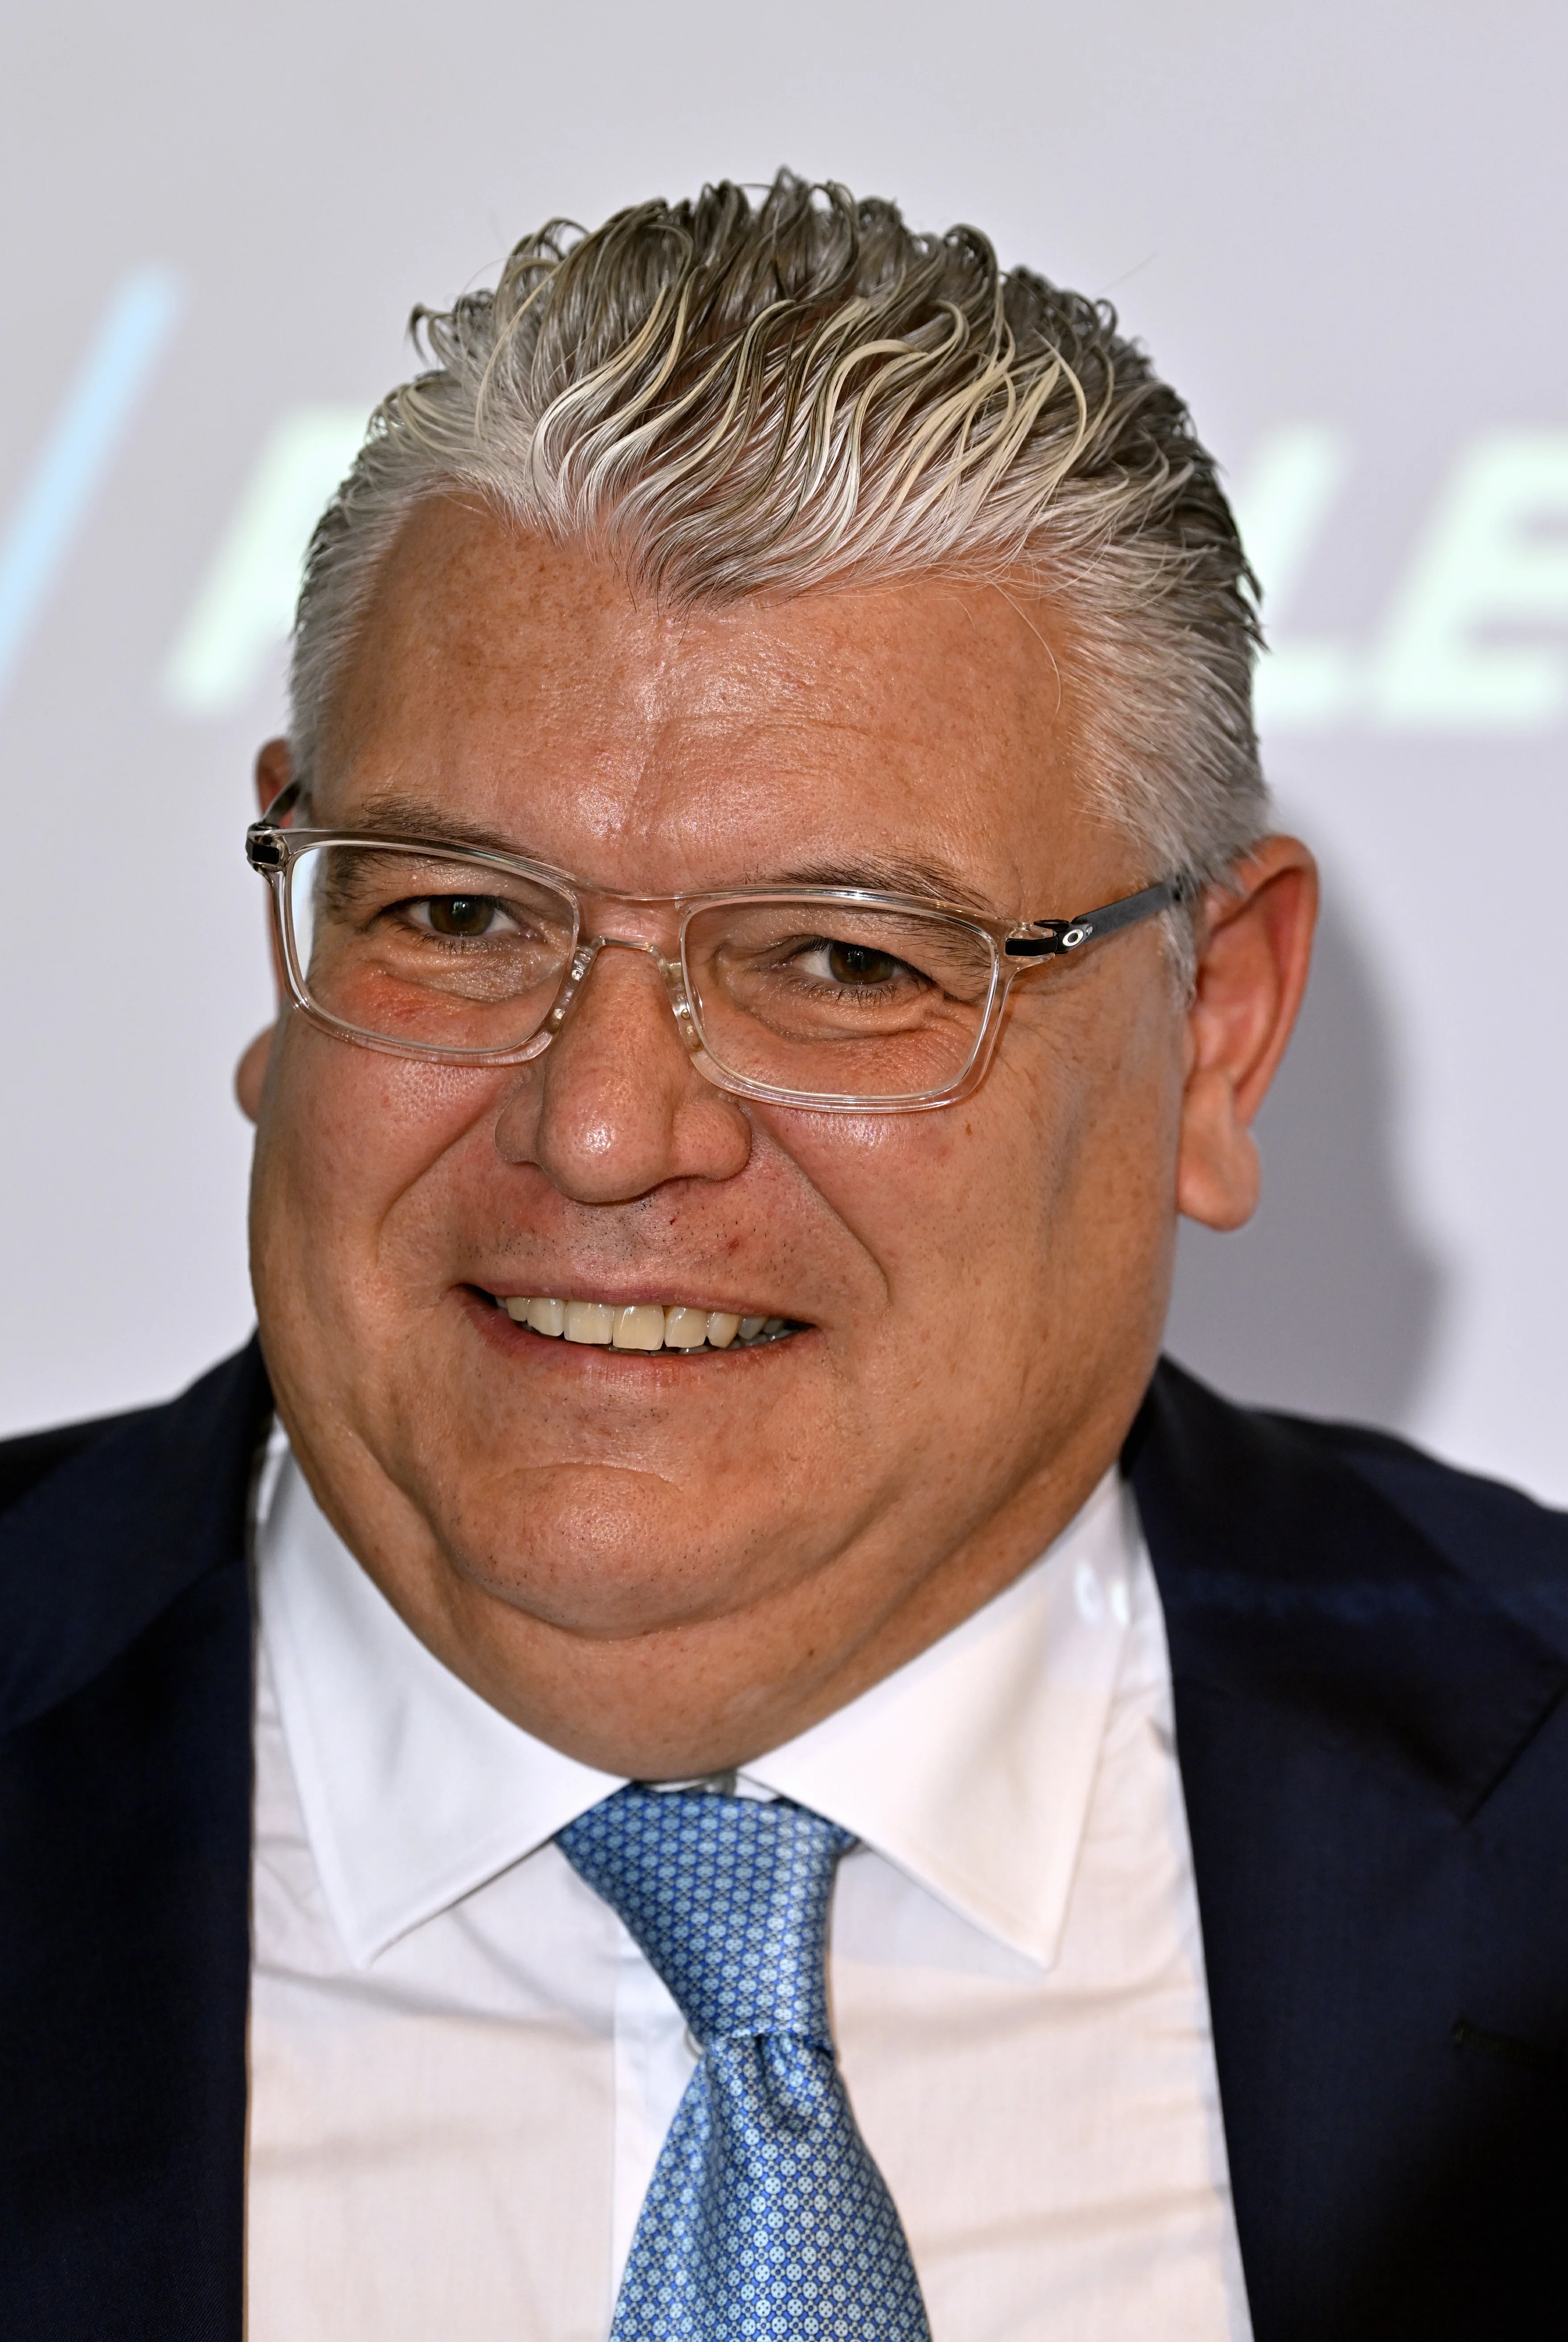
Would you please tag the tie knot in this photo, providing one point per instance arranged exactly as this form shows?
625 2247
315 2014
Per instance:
727 1896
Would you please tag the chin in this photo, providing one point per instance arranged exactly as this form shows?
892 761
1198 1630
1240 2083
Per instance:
599 1550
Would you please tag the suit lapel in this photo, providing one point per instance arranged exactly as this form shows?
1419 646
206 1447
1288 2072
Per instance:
1346 1700
125 1837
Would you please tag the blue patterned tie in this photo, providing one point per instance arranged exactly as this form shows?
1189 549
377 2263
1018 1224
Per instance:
766 2219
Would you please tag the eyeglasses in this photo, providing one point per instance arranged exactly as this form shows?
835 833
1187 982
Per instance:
831 997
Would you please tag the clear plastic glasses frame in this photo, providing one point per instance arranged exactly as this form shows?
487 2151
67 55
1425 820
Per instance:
714 1029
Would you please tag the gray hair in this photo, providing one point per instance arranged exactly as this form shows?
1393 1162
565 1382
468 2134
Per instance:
735 398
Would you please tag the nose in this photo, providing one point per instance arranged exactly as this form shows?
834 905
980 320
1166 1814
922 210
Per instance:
615 1107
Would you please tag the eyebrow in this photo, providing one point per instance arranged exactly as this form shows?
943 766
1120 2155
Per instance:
392 813
895 874
395 813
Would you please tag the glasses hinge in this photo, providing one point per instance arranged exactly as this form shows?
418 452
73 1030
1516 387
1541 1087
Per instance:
265 846
1042 941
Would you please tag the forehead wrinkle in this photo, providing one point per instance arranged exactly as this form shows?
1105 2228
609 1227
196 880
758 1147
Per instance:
394 813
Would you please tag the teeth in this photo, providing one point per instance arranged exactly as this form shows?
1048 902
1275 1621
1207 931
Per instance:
641 1325
684 1329
640 1328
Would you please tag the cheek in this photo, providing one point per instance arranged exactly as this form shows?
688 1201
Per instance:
957 1205
1101 1172
905 1185
1045 1201
346 1136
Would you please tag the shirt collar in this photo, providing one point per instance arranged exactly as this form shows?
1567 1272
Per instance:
413 1790
970 1768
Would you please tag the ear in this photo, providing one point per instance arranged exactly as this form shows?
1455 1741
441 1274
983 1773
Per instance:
274 770
250 1074
1254 949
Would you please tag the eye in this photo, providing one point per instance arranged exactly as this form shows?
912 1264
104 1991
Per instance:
458 914
858 965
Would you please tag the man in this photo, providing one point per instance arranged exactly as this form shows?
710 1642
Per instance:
789 1777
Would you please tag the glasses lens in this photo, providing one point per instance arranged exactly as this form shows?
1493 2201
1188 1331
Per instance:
837 1000
418 948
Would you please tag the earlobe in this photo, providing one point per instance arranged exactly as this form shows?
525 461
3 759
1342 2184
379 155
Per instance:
250 1075
1254 953
1219 1173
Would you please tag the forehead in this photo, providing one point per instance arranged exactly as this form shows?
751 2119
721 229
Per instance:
524 686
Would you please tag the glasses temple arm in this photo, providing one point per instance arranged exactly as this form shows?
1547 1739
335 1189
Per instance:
1048 938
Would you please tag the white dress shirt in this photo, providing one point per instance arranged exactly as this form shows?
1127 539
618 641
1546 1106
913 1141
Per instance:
463 2069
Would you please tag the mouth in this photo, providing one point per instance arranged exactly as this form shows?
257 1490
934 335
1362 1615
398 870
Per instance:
678 1325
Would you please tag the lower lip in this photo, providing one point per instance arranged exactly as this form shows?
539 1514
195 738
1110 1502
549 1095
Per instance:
523 1342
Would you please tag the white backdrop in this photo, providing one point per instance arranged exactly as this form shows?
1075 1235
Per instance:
1338 225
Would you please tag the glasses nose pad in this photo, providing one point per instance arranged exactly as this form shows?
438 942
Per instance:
581 968
680 1000
572 984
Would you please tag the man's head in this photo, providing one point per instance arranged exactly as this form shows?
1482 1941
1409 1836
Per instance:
721 547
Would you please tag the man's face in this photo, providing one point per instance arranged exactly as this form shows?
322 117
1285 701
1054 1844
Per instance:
664 1561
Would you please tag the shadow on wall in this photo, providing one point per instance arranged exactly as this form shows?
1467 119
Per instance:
1328 1302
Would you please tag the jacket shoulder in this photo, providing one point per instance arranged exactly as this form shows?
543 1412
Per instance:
31 1456
125 1811
1261 1462
1369 1666
1504 1542
1458 1509
1342 1576
103 1523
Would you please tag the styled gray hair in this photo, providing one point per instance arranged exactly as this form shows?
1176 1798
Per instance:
737 398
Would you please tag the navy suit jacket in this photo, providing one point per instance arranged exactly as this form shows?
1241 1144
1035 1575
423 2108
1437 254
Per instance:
1369 1655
